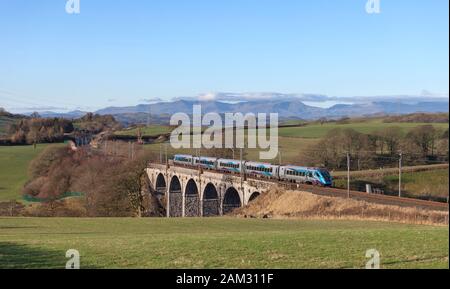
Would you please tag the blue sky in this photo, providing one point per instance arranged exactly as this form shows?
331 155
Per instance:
121 52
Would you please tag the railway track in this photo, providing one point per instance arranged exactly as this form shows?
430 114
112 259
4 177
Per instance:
342 193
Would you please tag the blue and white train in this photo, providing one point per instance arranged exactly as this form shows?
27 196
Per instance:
295 174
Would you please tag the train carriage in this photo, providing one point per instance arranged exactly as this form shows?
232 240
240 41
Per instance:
206 162
262 169
315 176
232 166
185 160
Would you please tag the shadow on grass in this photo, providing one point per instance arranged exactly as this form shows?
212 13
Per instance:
17 256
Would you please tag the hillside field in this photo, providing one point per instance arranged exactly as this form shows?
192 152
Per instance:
14 161
292 140
218 243
153 130
367 126
432 183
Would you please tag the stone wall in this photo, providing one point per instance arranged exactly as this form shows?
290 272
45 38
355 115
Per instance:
211 208
176 204
228 208
192 206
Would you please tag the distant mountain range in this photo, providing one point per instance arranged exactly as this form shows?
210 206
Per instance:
287 109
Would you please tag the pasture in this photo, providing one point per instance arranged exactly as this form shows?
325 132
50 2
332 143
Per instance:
316 130
14 161
153 130
430 183
290 149
218 243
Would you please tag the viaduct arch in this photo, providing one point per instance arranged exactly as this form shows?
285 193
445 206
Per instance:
187 192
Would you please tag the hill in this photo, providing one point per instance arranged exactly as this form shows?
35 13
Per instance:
7 119
285 108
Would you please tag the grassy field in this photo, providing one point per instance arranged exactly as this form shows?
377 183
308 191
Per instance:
147 131
289 147
14 161
415 184
369 126
293 140
419 183
218 243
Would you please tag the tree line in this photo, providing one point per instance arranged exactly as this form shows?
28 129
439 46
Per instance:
35 129
113 185
421 145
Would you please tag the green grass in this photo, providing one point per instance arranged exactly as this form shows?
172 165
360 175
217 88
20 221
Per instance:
434 183
370 126
290 149
147 131
218 243
14 161
428 183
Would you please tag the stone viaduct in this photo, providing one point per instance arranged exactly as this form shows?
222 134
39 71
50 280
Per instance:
194 193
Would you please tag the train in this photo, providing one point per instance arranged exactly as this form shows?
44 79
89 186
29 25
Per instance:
295 174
